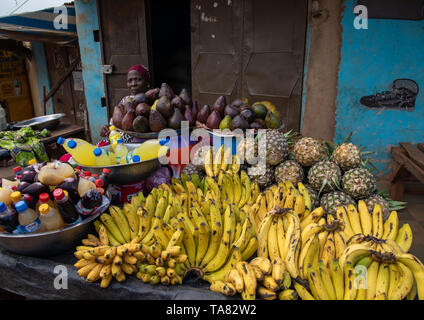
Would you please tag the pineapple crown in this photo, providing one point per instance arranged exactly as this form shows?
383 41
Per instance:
365 161
393 205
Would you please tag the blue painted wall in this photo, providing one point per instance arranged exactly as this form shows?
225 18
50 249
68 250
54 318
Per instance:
42 74
370 60
87 21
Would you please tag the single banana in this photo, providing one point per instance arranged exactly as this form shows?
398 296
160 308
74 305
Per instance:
233 259
316 283
308 254
249 278
342 215
339 243
250 249
326 279
263 235
372 273
404 237
281 237
365 217
337 279
377 221
302 292
278 270
292 245
394 276
265 293
329 250
236 279
391 226
354 218
273 251
382 282
349 284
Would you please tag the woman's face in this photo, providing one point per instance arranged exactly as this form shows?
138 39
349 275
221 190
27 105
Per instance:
136 83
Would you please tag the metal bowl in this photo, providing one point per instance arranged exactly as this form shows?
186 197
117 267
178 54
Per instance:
46 244
122 174
39 123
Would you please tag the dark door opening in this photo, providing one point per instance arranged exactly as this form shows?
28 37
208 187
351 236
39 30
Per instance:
170 43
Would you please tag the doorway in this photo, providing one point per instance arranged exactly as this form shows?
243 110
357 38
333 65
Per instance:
170 42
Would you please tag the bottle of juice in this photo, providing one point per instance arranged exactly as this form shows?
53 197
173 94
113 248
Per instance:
66 208
81 150
44 198
84 185
102 157
121 152
149 149
28 219
8 218
114 136
50 218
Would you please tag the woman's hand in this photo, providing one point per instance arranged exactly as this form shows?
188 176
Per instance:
104 131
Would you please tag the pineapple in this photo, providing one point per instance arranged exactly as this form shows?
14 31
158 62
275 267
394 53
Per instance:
289 170
359 183
191 169
325 176
309 151
198 158
247 151
347 156
331 201
263 180
378 199
277 147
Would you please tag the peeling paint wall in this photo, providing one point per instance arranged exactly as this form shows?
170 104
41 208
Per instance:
87 22
370 60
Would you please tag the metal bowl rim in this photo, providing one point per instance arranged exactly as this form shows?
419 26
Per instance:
49 117
37 235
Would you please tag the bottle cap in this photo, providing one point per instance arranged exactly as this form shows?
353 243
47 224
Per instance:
58 194
119 141
101 190
112 128
95 175
44 208
60 140
21 206
3 206
106 171
32 161
14 187
99 183
66 193
44 197
72 144
17 169
136 158
97 152
86 174
16 196
162 142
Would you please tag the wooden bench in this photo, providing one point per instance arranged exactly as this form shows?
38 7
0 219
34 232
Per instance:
409 159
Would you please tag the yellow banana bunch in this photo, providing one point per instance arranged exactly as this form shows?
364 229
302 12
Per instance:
260 278
369 269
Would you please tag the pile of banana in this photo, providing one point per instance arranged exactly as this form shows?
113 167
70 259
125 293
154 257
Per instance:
284 195
223 160
368 269
258 278
166 265
362 221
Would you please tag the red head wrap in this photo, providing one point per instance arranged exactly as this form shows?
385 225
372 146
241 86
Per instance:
142 70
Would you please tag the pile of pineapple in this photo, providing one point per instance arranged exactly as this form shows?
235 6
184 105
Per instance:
334 174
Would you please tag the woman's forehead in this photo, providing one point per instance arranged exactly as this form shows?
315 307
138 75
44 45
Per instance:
134 74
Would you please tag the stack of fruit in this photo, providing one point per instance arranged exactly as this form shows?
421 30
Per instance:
335 175
238 115
258 278
155 110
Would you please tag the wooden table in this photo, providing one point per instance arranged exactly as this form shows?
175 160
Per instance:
409 159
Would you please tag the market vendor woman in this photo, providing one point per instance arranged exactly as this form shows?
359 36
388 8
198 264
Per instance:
138 81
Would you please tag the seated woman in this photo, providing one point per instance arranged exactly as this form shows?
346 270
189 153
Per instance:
138 81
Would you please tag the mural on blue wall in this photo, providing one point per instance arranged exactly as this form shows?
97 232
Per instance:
401 95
